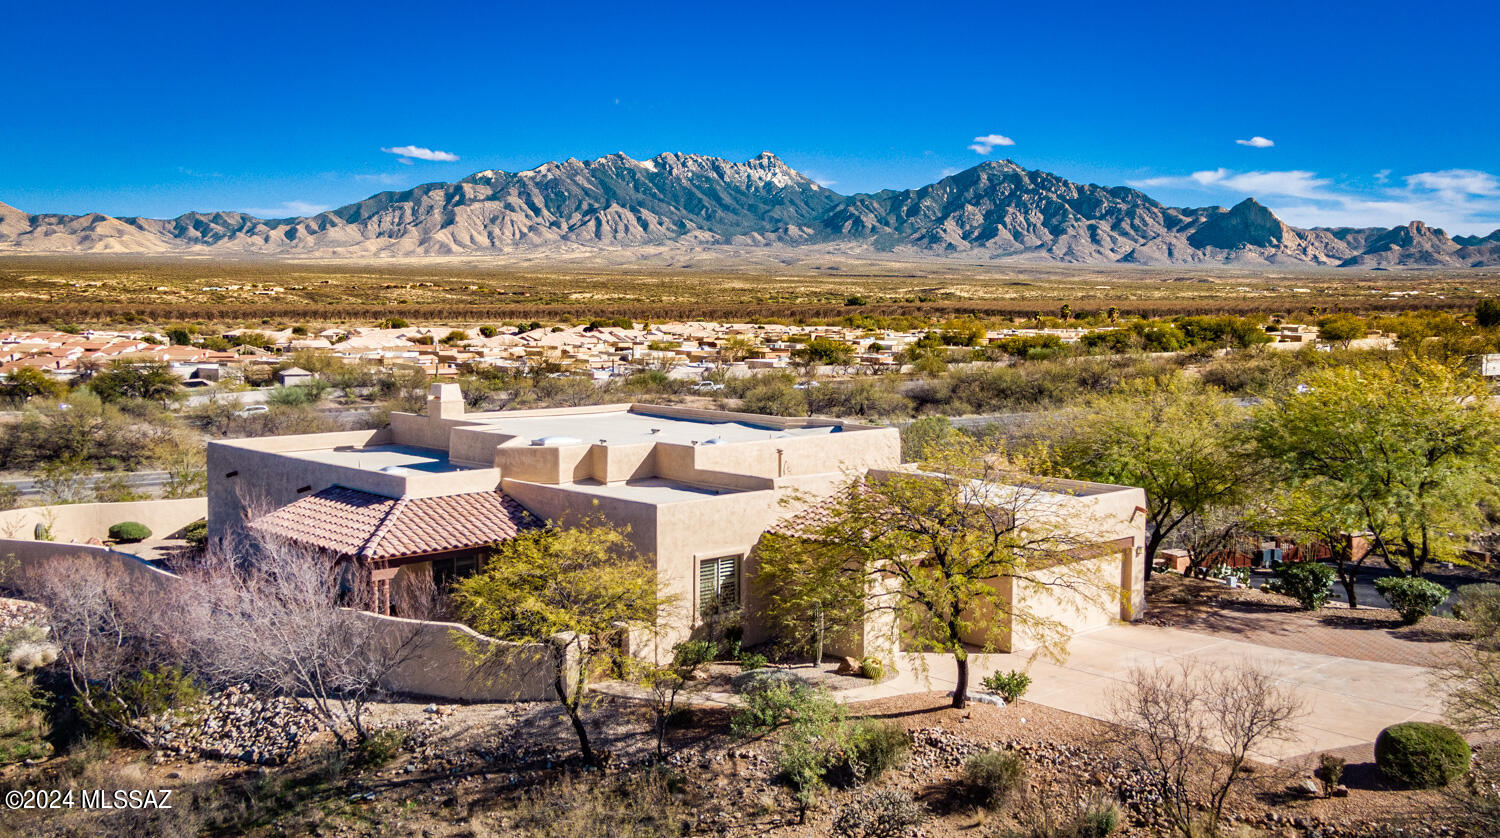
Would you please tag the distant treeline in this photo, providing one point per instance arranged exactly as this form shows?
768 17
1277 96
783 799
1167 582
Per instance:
19 314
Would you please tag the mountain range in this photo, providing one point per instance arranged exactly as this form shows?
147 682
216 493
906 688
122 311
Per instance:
997 210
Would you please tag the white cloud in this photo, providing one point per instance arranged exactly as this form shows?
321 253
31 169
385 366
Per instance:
384 179
288 209
1256 142
987 143
1461 201
415 152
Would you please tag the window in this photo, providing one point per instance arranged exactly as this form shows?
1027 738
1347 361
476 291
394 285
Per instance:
718 585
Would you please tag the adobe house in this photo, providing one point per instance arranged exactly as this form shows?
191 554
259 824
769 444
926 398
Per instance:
432 492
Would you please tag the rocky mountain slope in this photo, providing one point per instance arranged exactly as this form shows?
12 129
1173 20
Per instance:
996 210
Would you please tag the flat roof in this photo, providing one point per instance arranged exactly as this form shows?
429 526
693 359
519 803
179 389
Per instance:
626 426
654 490
382 457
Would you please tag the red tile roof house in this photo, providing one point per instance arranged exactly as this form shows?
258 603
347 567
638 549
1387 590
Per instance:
433 492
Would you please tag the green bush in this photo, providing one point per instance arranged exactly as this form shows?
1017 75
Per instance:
23 719
1306 582
873 747
1008 685
1098 819
1412 598
110 711
382 746
129 532
995 776
196 533
752 660
1421 755
872 667
1330 771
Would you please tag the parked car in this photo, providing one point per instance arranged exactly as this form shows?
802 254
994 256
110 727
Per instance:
708 386
251 410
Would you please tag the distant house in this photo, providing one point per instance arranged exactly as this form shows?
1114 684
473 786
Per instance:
292 376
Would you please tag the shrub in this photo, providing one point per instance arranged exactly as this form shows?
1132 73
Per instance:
196 533
995 776
872 667
884 814
488 331
752 660
1479 605
1008 685
128 707
23 719
1098 819
1330 771
129 532
1412 598
1421 755
382 746
1306 582
872 747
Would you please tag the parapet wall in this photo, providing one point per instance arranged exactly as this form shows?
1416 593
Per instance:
79 522
442 660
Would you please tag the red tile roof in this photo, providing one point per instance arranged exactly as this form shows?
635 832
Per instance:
368 526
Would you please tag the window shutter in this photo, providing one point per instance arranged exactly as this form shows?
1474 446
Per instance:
707 576
729 581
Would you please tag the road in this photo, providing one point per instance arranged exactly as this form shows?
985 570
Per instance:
149 481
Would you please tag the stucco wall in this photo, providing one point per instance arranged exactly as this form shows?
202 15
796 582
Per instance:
438 661
79 522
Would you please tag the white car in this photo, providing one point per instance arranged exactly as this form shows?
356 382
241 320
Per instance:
251 410
806 385
708 386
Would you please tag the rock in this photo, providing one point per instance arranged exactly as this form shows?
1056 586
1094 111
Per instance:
847 666
1340 791
1309 787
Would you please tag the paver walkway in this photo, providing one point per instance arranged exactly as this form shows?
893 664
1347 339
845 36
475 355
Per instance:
1348 701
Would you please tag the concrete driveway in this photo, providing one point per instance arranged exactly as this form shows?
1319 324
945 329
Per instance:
1348 702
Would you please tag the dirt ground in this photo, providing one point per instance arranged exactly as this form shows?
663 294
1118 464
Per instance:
466 770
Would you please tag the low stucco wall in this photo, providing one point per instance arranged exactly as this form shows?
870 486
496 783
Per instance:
439 664
80 522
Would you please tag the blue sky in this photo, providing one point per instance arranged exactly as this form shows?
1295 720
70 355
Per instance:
1374 113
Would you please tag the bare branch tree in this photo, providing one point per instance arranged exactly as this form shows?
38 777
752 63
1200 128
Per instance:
1193 728
288 620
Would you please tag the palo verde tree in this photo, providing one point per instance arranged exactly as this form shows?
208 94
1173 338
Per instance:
811 590
936 546
565 590
1175 438
1409 446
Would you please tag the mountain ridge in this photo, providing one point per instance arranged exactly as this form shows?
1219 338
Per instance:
997 209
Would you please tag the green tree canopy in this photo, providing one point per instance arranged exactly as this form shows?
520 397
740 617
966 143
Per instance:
127 379
1175 438
1409 445
564 589
935 546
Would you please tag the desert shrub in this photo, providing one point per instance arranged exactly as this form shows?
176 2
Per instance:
1306 582
129 532
1330 771
23 706
752 660
872 667
775 398
1412 598
1421 755
196 533
1008 685
1479 605
121 709
873 747
381 747
1099 819
888 813
768 704
993 777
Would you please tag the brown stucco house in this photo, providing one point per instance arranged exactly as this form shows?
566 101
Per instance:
696 489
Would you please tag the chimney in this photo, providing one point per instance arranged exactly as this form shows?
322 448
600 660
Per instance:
445 401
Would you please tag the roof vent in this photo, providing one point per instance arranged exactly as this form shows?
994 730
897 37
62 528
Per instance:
718 440
656 430
557 440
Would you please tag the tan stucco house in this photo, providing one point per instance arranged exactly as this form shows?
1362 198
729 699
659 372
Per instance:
696 488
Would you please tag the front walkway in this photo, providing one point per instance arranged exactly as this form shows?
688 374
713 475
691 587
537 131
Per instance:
1348 702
